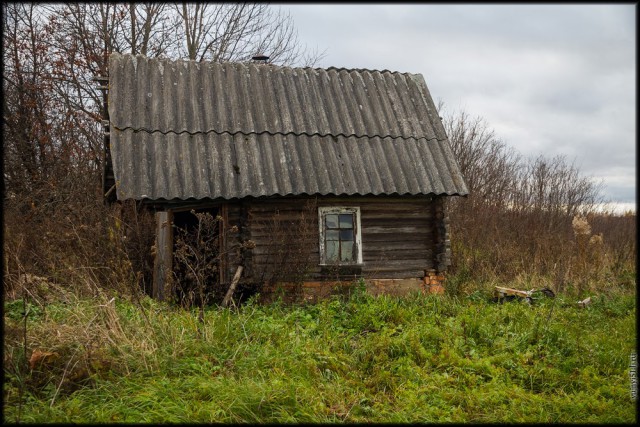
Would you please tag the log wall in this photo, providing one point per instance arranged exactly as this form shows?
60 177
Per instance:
400 238
276 240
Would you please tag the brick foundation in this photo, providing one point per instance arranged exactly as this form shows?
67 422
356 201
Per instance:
313 291
433 282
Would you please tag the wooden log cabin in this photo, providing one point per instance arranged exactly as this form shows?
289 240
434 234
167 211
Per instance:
318 177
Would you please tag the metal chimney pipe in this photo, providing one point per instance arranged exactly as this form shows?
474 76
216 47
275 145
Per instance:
260 57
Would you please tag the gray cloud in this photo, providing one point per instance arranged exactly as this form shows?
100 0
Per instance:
550 79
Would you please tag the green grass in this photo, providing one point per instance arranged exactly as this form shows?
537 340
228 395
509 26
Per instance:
366 359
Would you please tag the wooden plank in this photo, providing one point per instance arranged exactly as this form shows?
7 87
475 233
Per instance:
373 245
400 214
392 229
381 201
234 283
264 252
163 263
397 264
379 248
406 214
376 239
500 291
328 201
283 227
281 215
222 240
233 252
584 302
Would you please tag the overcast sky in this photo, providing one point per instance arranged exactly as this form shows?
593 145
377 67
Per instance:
549 79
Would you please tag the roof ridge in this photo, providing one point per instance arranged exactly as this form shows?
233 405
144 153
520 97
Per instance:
154 131
404 73
247 63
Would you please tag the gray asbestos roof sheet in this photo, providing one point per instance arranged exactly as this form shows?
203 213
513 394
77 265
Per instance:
182 129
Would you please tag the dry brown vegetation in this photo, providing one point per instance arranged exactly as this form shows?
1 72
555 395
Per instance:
532 222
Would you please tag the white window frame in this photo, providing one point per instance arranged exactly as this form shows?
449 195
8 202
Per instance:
322 211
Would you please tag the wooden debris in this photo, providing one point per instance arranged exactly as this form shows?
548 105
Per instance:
585 302
500 293
232 288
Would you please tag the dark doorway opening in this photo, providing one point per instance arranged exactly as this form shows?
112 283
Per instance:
196 257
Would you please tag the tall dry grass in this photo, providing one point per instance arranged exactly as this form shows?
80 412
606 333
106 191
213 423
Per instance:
83 246
579 254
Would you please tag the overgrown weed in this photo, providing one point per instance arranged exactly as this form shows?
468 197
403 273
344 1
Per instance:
422 358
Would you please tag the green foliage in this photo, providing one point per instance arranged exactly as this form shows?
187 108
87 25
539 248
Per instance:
422 358
18 309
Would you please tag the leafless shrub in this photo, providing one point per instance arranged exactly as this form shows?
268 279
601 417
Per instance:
197 261
83 248
619 244
487 163
137 235
56 226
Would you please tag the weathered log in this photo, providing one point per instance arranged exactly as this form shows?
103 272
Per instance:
232 288
163 255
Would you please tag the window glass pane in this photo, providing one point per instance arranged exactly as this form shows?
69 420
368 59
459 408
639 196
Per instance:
346 251
332 250
333 234
346 235
346 220
332 221
339 235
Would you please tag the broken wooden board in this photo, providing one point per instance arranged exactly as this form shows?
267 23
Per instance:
501 292
584 302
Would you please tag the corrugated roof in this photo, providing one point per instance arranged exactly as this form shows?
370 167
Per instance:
183 129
